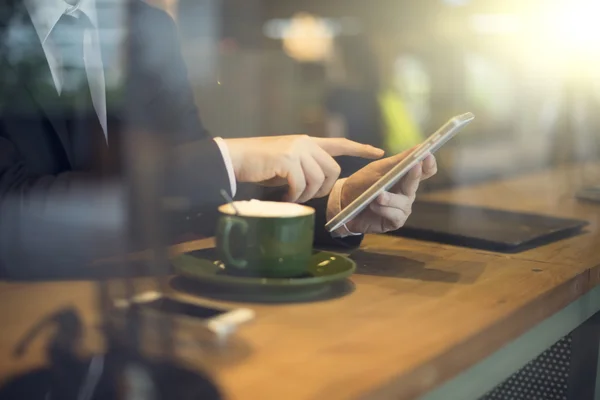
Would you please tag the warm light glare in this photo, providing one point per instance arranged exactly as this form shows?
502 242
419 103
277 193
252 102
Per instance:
571 24
308 38
558 35
568 37
574 24
495 24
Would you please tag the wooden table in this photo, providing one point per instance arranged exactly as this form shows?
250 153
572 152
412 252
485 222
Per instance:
425 319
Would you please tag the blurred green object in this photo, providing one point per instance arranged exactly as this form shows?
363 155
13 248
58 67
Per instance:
401 131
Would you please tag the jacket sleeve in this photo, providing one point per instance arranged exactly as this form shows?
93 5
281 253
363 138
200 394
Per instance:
323 238
51 224
55 224
164 103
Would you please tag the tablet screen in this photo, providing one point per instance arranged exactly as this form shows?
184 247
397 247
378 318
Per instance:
429 146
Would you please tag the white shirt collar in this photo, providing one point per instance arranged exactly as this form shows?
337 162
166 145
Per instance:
46 13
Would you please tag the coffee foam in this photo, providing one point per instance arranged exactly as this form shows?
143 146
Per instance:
266 209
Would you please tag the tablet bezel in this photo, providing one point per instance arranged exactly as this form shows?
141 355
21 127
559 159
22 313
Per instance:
429 146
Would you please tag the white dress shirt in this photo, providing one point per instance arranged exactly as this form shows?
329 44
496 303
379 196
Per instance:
44 16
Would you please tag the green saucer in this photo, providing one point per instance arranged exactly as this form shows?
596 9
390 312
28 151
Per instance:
201 274
324 268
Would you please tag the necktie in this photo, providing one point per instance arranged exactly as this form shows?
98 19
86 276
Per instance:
88 144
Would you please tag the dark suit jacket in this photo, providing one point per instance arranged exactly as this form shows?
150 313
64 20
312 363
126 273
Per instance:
54 217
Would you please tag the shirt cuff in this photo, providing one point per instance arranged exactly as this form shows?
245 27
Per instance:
334 206
228 163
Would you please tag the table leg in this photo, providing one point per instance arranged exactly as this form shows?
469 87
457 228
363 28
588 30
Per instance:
584 360
597 385
583 375
487 374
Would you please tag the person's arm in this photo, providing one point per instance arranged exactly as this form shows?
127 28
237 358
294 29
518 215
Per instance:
166 104
173 110
51 224
36 232
323 210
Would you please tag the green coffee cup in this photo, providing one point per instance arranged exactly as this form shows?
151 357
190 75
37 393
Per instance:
264 238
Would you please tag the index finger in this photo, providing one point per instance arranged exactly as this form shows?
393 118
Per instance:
344 147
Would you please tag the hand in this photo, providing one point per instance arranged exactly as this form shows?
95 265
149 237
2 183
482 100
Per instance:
305 163
391 209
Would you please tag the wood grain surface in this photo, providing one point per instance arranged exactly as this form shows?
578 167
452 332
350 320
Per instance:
420 313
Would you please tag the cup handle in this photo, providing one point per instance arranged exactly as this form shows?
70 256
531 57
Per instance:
230 223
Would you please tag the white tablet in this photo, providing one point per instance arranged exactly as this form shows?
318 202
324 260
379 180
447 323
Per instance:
429 146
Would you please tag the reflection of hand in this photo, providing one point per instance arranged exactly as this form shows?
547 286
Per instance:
305 163
391 209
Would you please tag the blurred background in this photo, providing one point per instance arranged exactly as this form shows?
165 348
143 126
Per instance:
388 72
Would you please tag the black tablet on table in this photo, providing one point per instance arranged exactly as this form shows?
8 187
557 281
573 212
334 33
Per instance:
485 228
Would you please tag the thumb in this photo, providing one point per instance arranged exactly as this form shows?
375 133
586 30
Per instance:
344 147
390 162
